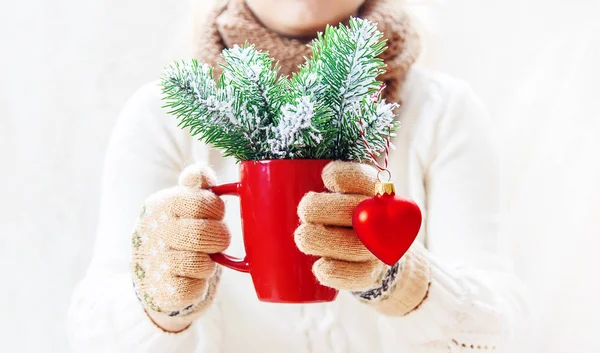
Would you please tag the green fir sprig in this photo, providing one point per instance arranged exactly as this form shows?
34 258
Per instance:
252 113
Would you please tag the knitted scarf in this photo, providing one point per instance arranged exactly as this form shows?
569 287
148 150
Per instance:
231 22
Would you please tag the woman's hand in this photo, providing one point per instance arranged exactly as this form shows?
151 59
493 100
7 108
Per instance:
345 263
174 277
326 228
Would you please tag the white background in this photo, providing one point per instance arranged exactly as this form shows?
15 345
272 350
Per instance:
67 67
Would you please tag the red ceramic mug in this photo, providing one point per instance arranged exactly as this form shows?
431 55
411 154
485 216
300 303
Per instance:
269 192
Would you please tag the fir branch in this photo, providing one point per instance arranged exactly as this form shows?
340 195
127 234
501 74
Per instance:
251 113
253 74
191 93
346 59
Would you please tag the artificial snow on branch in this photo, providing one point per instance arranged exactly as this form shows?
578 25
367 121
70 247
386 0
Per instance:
252 113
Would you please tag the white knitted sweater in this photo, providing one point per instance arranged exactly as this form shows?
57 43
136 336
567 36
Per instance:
444 159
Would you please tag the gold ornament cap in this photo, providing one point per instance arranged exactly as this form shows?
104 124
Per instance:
383 188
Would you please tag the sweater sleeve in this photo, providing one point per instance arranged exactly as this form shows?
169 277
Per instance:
146 152
474 301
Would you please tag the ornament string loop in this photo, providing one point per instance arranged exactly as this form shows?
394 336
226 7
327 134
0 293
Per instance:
384 172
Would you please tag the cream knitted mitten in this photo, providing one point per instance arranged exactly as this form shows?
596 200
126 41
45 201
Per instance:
178 227
345 263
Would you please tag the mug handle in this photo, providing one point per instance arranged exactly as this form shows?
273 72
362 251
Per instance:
234 263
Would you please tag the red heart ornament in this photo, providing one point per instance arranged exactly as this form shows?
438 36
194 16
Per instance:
387 224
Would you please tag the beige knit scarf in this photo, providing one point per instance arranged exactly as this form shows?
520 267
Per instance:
231 22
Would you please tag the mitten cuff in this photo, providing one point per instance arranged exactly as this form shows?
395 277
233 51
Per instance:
405 285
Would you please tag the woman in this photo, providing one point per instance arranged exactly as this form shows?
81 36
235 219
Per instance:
450 292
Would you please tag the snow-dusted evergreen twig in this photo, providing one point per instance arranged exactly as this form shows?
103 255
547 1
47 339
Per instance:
346 61
191 93
294 123
252 114
252 74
